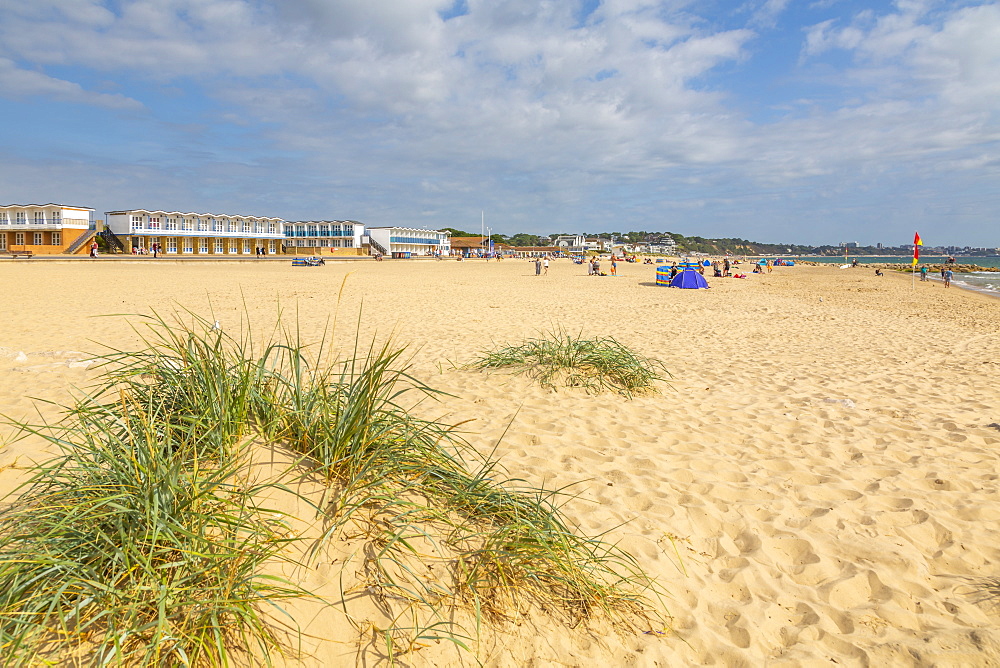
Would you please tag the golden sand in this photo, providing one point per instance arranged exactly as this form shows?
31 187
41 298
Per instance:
826 460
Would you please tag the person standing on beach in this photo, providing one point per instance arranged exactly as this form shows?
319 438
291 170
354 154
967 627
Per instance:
93 248
614 266
538 267
923 272
725 268
948 274
545 265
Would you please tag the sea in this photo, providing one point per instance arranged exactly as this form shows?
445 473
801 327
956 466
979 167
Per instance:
981 281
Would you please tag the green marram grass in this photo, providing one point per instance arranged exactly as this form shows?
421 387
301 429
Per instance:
144 543
596 364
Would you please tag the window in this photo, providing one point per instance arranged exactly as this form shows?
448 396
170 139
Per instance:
171 224
39 219
272 228
246 227
56 217
22 218
136 222
154 222
220 247
233 247
246 246
349 242
234 226
202 225
188 245
203 246
57 238
37 239
3 241
188 224
172 245
19 238
4 219
271 248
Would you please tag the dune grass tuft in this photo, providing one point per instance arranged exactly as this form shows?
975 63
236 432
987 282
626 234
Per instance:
596 364
134 549
144 543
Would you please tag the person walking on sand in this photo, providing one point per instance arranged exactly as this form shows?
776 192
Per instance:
93 248
538 267
948 275
545 265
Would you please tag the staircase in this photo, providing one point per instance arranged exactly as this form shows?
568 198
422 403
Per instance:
115 244
377 246
84 238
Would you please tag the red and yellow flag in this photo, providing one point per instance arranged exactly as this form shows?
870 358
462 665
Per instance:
917 242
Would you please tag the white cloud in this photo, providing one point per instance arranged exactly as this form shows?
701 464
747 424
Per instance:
17 82
518 96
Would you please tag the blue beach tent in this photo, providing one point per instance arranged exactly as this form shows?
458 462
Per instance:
689 278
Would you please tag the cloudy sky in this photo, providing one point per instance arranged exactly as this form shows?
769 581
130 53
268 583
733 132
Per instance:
810 121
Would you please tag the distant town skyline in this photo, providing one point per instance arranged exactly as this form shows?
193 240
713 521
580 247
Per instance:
777 121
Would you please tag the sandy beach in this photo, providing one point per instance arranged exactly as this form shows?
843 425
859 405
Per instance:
824 459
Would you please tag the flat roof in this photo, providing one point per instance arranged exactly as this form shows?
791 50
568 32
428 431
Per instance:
38 206
409 229
188 213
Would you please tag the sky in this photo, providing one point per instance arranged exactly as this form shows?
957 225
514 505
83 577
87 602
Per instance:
794 121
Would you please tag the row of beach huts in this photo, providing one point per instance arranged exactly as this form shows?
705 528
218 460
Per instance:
58 229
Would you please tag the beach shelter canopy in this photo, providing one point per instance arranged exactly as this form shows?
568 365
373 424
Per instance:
689 278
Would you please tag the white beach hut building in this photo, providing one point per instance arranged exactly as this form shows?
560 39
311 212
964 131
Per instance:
179 233
399 241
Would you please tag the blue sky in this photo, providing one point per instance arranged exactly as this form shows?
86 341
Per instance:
813 121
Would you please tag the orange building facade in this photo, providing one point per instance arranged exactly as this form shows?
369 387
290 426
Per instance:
45 229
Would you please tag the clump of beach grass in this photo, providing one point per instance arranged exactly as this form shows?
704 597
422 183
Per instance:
132 548
595 364
144 542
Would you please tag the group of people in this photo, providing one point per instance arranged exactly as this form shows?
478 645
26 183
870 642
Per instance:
946 272
594 266
154 250
724 269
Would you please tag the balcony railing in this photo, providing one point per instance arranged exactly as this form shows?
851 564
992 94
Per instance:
307 233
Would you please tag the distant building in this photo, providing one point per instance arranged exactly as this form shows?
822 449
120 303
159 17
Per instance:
341 237
468 246
44 229
178 233
570 243
848 244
